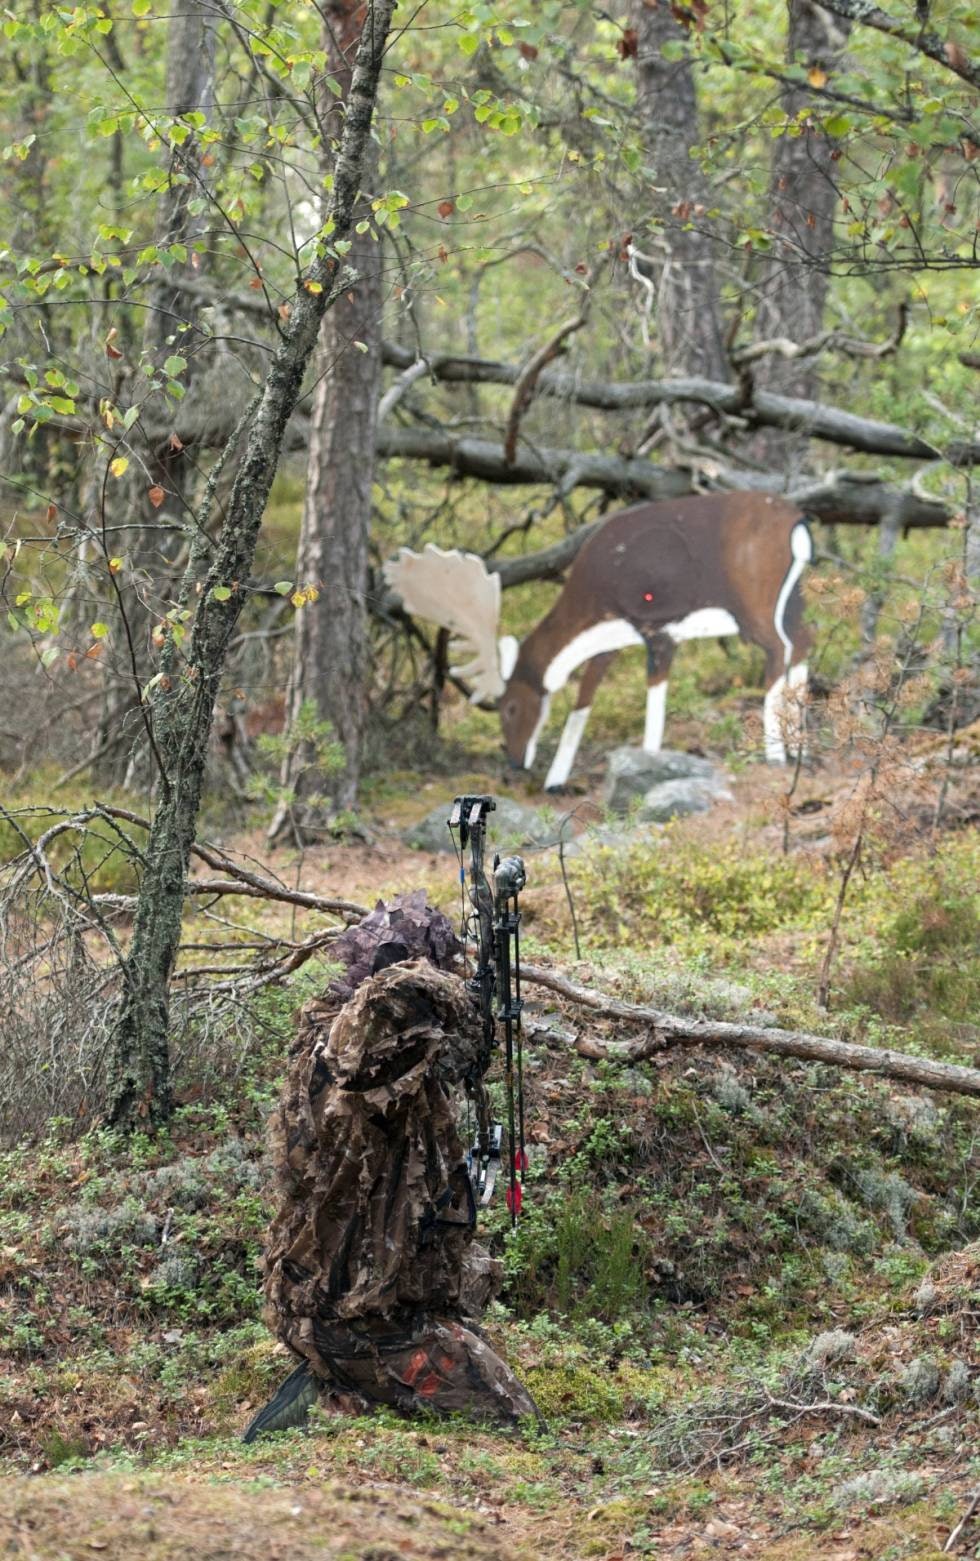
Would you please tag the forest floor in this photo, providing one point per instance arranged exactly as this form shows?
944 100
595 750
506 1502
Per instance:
745 1293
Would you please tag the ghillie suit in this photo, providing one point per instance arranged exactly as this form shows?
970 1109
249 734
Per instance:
372 1276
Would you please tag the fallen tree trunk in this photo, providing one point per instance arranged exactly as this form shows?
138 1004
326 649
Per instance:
759 408
840 498
669 1030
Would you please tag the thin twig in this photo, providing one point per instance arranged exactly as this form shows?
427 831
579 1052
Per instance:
964 1520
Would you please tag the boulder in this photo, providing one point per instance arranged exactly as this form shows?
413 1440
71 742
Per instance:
677 798
511 826
632 773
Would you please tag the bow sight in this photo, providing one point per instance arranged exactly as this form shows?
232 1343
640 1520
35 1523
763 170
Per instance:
492 922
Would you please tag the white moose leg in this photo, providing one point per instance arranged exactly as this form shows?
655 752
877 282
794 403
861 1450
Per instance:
660 654
772 722
794 701
653 727
571 736
782 713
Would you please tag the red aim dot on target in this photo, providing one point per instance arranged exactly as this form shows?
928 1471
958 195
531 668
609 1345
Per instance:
648 596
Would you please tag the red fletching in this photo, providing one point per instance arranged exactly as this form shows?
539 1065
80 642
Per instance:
514 1195
520 1160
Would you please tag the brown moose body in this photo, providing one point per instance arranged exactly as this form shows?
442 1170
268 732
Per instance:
654 575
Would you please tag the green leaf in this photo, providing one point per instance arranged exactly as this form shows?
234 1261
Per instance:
174 365
283 587
469 43
99 631
221 593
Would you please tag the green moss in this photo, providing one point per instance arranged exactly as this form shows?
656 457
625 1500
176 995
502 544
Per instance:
574 1391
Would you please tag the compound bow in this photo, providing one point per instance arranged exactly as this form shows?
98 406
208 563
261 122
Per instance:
493 922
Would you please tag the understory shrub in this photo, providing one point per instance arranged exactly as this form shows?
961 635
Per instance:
674 891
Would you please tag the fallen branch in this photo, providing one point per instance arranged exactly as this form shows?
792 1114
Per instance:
824 1407
765 409
669 1030
974 1502
529 376
840 498
203 422
838 341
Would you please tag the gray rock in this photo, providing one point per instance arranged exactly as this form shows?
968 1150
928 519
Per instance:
632 772
678 798
512 825
603 836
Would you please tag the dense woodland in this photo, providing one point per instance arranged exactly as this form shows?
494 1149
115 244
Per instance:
285 287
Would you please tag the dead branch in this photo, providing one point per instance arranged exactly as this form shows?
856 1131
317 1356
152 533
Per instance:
765 408
245 881
826 341
841 498
668 1030
955 1533
400 387
824 1407
952 56
530 374
206 423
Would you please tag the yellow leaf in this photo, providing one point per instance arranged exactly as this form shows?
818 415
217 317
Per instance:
99 631
119 466
816 77
115 564
313 287
298 598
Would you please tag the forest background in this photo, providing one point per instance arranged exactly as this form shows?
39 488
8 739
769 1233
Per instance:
250 347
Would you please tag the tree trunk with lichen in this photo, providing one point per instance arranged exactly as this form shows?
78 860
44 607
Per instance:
689 326
154 553
803 198
330 648
183 705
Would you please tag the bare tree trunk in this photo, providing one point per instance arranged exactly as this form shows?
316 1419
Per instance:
183 707
330 648
688 311
792 287
154 554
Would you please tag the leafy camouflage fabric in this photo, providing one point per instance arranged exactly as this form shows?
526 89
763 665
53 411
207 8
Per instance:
372 1275
407 927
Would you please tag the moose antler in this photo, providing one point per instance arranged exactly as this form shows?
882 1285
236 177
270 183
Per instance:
454 590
